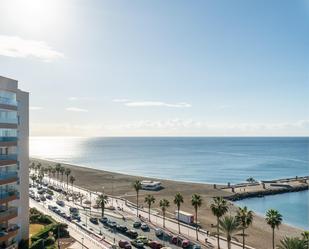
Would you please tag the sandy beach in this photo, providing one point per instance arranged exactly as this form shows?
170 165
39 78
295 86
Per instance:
121 185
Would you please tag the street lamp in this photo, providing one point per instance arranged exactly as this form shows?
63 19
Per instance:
82 242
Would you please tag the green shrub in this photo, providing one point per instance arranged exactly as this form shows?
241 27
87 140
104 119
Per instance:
44 233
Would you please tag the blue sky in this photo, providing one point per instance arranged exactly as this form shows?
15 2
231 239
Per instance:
131 68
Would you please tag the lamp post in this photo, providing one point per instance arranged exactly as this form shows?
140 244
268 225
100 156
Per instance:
82 242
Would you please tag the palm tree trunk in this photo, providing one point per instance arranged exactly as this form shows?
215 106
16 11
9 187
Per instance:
273 238
149 213
178 207
218 238
137 204
164 220
196 224
102 210
243 238
229 243
68 183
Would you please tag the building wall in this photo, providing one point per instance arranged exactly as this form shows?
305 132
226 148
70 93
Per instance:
22 151
23 158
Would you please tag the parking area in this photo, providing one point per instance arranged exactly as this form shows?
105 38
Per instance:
117 227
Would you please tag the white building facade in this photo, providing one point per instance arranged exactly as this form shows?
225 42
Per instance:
14 164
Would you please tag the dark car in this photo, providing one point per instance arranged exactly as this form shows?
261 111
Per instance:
132 234
94 220
60 203
144 227
103 220
73 210
137 224
121 228
49 197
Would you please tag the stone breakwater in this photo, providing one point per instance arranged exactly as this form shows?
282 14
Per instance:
265 192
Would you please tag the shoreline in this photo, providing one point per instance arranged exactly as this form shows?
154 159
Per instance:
120 185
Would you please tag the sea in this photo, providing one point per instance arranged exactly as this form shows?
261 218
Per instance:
194 159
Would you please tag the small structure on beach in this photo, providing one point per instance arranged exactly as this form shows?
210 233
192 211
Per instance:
151 185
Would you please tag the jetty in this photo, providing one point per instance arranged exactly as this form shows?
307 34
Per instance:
262 188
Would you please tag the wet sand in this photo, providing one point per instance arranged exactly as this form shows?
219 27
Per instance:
121 185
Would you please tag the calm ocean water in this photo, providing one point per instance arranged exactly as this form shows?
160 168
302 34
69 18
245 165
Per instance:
204 159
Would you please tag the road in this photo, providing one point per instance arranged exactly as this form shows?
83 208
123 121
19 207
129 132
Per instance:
128 210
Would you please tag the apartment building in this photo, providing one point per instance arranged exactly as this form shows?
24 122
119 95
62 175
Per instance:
14 164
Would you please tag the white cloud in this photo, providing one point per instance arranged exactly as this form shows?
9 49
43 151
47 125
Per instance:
17 47
35 108
76 109
157 104
121 100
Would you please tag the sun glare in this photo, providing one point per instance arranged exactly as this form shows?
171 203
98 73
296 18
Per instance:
34 15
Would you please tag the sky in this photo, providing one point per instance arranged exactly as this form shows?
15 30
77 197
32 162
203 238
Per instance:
160 68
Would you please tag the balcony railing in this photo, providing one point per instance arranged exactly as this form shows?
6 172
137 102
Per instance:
8 175
8 157
10 213
8 101
9 232
8 139
7 194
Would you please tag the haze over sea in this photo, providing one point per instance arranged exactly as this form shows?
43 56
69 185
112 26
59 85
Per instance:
195 159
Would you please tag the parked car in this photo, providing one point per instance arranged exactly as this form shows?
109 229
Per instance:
137 243
73 210
121 228
144 239
60 203
124 244
185 243
155 244
196 246
137 224
144 227
94 220
111 224
49 197
158 232
103 220
132 234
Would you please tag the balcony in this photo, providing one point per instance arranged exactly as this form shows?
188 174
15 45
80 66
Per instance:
8 159
7 196
8 177
8 214
8 233
11 245
8 101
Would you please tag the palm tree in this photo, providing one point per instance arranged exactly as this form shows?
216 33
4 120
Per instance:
149 199
33 177
49 170
245 218
38 167
196 202
305 236
67 172
229 226
62 169
72 180
219 208
164 204
57 168
274 219
101 201
137 185
177 201
292 243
